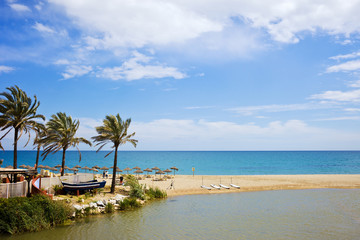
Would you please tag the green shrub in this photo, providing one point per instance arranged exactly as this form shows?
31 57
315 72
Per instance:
57 189
31 214
109 208
155 193
129 203
136 189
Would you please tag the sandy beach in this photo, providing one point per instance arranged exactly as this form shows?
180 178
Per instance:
188 184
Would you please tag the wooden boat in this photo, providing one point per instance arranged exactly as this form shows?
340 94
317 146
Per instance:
234 186
215 186
224 186
83 185
203 186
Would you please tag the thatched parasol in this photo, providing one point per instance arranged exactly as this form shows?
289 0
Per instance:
77 166
41 166
94 170
147 170
104 168
138 171
167 171
160 172
86 168
9 166
22 166
127 169
96 166
155 169
175 169
137 168
58 166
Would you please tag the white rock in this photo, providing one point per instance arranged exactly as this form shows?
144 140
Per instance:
100 203
112 201
77 207
85 206
92 205
119 197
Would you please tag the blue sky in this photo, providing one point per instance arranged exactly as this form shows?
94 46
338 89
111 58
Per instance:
192 75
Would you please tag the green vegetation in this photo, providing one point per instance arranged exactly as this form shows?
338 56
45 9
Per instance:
109 208
129 203
31 214
18 113
155 193
136 189
60 135
114 130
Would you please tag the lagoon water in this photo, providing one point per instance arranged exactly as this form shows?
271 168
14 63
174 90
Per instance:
287 214
210 162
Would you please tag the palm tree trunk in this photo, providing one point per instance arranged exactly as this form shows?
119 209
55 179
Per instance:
114 171
15 152
63 162
37 157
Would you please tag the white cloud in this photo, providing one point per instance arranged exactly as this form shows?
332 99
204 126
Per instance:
72 71
6 69
139 67
42 28
198 107
138 23
346 66
349 96
222 135
346 56
339 118
250 110
19 7
352 109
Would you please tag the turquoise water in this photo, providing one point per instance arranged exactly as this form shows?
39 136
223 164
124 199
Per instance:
288 214
211 163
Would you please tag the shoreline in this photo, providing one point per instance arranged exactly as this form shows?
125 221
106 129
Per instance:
189 185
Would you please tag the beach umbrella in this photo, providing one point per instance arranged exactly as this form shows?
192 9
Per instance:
138 171
160 172
22 166
73 169
105 168
86 168
41 166
9 166
96 166
167 171
127 169
137 168
54 169
47 167
155 169
147 170
77 166
94 170
28 166
58 166
175 169
118 169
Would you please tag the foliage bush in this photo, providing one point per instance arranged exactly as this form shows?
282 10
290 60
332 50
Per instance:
31 214
136 189
155 193
109 208
129 203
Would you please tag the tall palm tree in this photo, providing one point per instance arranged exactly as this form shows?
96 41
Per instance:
114 130
18 112
40 133
60 135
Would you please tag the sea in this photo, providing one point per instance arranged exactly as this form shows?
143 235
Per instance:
208 162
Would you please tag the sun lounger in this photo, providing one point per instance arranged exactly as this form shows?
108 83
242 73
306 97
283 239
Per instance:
224 186
234 186
203 186
215 186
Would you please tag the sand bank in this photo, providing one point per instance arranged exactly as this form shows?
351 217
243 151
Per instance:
187 184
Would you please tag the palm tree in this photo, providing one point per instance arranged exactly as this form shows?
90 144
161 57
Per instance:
18 112
114 130
60 134
40 133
